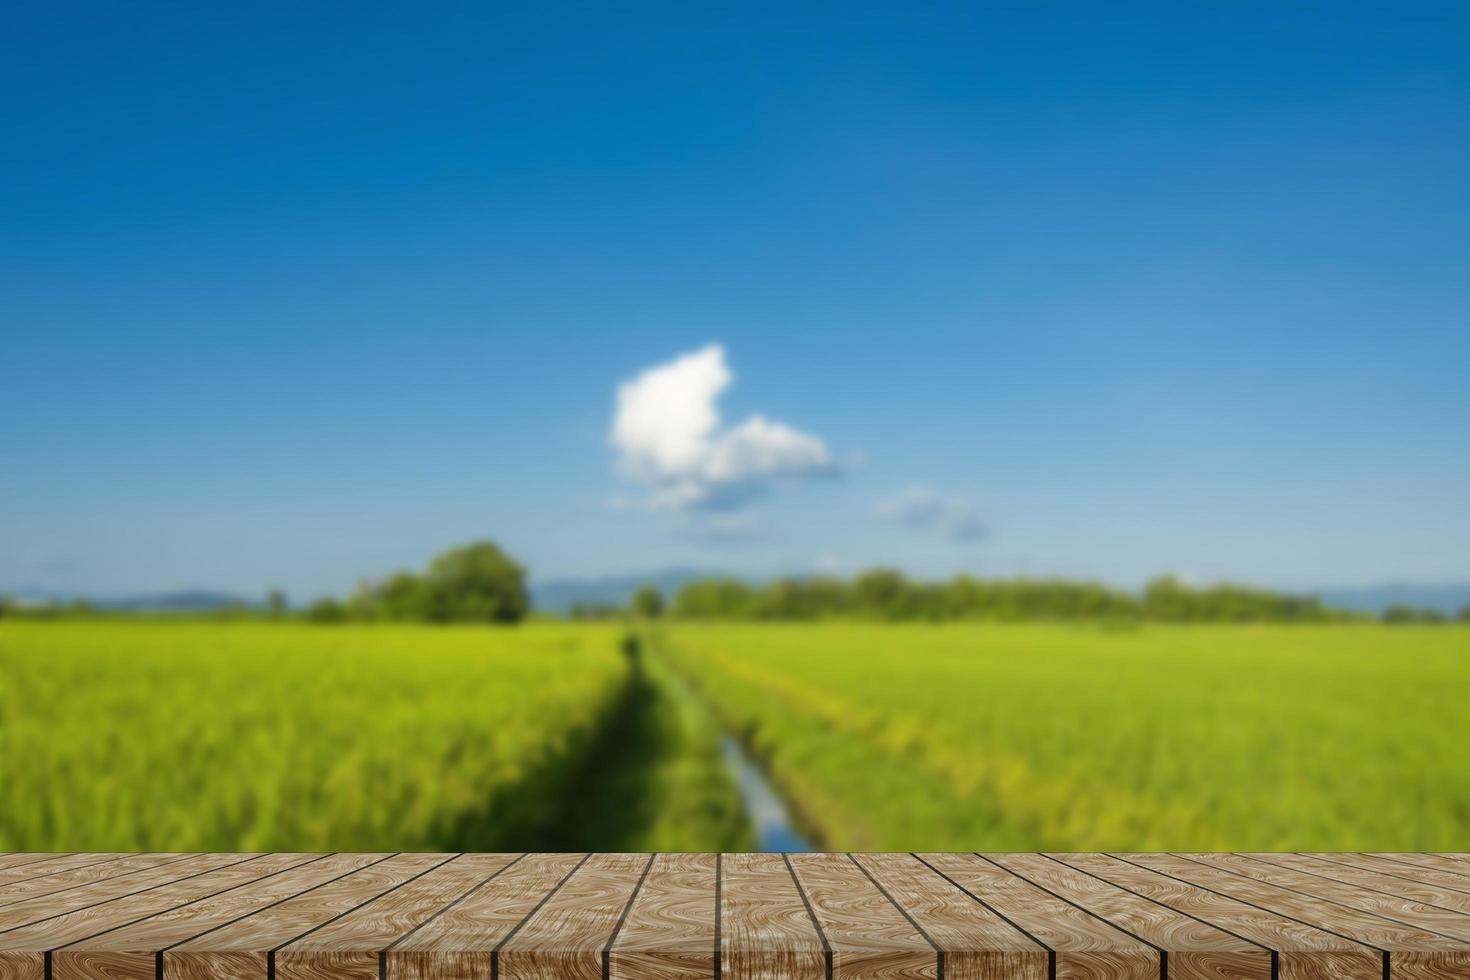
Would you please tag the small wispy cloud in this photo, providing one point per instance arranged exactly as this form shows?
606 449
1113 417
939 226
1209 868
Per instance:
670 439
925 510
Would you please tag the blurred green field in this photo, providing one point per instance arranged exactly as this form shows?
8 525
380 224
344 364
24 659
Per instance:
201 736
130 735
1034 736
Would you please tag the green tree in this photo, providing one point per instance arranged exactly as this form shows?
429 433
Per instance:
1464 615
403 597
477 582
1401 613
1169 599
714 598
648 602
326 610
796 598
276 603
882 592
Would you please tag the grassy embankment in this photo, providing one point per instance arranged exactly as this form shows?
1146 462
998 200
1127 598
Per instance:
243 736
1082 737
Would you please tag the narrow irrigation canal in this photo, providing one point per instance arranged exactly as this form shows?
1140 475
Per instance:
767 812
665 776
771 820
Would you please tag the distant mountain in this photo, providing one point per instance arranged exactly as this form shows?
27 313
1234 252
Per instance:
1448 599
36 595
194 600
560 595
188 600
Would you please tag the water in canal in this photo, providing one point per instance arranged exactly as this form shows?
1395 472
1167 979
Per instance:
774 829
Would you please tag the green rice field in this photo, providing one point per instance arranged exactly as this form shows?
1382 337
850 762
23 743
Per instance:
200 736
1035 736
193 735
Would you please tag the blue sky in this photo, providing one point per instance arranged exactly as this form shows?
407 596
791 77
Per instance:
292 294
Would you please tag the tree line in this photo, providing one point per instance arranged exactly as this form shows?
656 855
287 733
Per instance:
476 583
888 594
479 582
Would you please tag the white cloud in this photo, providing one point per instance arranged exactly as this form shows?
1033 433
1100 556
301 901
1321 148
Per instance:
668 435
926 510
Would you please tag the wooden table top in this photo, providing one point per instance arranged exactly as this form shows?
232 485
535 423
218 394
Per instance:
734 916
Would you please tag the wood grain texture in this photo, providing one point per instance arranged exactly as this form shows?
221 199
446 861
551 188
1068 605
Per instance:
137 888
130 952
243 949
59 930
1256 893
460 942
1451 881
1463 859
103 889
735 917
12 859
1434 955
1085 948
1327 882
350 947
23 867
1197 950
670 930
1303 951
1356 871
766 932
976 943
51 884
1452 863
869 936
568 937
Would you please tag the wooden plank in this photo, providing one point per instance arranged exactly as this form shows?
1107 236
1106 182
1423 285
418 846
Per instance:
975 942
50 884
869 936
1196 950
1325 881
1440 873
1276 888
23 950
459 943
13 859
1444 881
669 933
245 949
1422 955
1084 947
24 867
351 947
1459 857
41 907
766 932
130 952
569 937
1385 881
1303 952
735 917
1453 863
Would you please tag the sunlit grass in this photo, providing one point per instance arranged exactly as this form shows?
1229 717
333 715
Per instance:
199 736
1036 736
